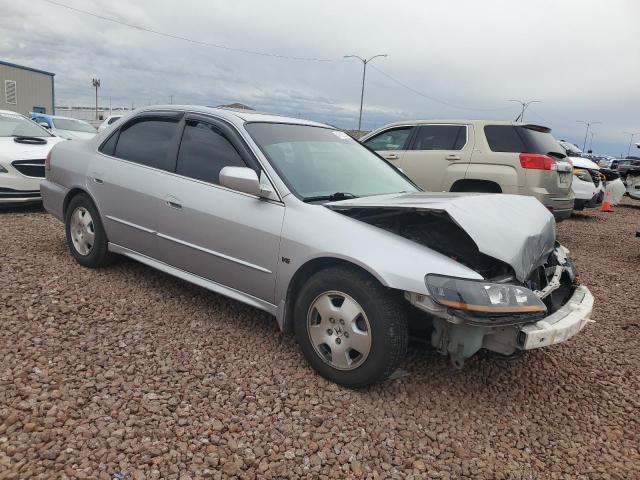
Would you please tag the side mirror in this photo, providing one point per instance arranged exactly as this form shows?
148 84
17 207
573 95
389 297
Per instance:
45 125
241 179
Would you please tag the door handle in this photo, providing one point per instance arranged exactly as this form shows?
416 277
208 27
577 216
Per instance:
173 204
452 157
98 180
391 156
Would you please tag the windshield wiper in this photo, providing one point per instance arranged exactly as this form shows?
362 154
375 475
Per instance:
332 197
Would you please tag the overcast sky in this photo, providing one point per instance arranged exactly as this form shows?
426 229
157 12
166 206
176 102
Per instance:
467 58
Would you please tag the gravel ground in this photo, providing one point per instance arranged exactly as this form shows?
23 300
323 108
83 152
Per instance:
128 373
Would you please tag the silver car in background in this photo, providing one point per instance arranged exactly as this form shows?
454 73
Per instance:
298 219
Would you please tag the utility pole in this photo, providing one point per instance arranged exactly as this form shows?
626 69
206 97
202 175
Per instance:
364 74
96 84
630 141
525 105
591 142
586 133
170 99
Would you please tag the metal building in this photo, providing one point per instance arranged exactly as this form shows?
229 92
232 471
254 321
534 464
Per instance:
25 89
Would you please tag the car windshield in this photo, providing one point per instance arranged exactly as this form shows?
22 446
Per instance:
318 162
73 125
14 125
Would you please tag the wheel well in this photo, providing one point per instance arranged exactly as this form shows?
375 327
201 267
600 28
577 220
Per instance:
468 185
303 274
72 193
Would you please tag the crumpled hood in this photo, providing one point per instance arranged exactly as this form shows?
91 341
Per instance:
515 229
581 162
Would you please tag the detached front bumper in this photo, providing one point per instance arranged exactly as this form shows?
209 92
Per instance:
560 325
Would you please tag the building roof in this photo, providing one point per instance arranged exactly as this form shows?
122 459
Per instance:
22 67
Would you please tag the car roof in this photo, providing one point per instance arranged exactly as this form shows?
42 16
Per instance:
455 121
235 116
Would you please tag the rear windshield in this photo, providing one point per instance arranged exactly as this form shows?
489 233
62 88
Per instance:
73 125
518 139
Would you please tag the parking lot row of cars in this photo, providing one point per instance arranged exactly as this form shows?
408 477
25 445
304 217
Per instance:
496 157
456 156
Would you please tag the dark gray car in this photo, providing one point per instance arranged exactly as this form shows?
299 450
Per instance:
298 219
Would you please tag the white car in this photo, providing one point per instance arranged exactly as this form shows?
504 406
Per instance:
24 145
65 127
110 120
587 184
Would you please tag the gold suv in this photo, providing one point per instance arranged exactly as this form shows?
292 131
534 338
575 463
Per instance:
479 156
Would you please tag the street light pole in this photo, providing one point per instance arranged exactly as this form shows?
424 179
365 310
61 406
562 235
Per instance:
524 107
96 84
591 141
364 74
586 133
630 140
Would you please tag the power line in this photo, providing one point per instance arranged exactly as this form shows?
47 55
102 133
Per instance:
186 39
417 92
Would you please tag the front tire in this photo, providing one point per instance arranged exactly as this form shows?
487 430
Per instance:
351 329
86 237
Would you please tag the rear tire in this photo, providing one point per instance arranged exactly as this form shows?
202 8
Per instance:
86 237
351 329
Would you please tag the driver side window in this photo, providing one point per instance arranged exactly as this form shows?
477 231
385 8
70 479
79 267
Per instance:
204 152
394 139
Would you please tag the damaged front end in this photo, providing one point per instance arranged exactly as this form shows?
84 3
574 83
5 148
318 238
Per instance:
528 297
559 309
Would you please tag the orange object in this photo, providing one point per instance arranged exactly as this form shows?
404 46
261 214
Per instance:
606 204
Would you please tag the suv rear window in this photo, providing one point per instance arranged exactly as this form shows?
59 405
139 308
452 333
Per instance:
518 139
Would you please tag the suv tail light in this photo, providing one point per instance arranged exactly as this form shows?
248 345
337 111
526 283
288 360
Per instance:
47 161
537 161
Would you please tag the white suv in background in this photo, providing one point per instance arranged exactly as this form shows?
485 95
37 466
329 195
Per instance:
588 185
24 145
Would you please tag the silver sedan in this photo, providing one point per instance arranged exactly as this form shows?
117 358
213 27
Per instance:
298 219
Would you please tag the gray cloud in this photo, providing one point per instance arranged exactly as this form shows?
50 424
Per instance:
581 58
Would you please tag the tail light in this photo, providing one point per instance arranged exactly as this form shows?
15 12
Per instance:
536 161
47 161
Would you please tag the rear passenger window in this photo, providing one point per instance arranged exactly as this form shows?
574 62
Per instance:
504 138
440 137
395 139
147 141
204 151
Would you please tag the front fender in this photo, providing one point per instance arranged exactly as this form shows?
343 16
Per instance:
394 261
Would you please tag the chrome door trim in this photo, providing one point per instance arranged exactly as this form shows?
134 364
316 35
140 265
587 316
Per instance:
195 279
214 253
129 224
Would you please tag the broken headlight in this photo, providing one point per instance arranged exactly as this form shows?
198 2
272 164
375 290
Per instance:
483 297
